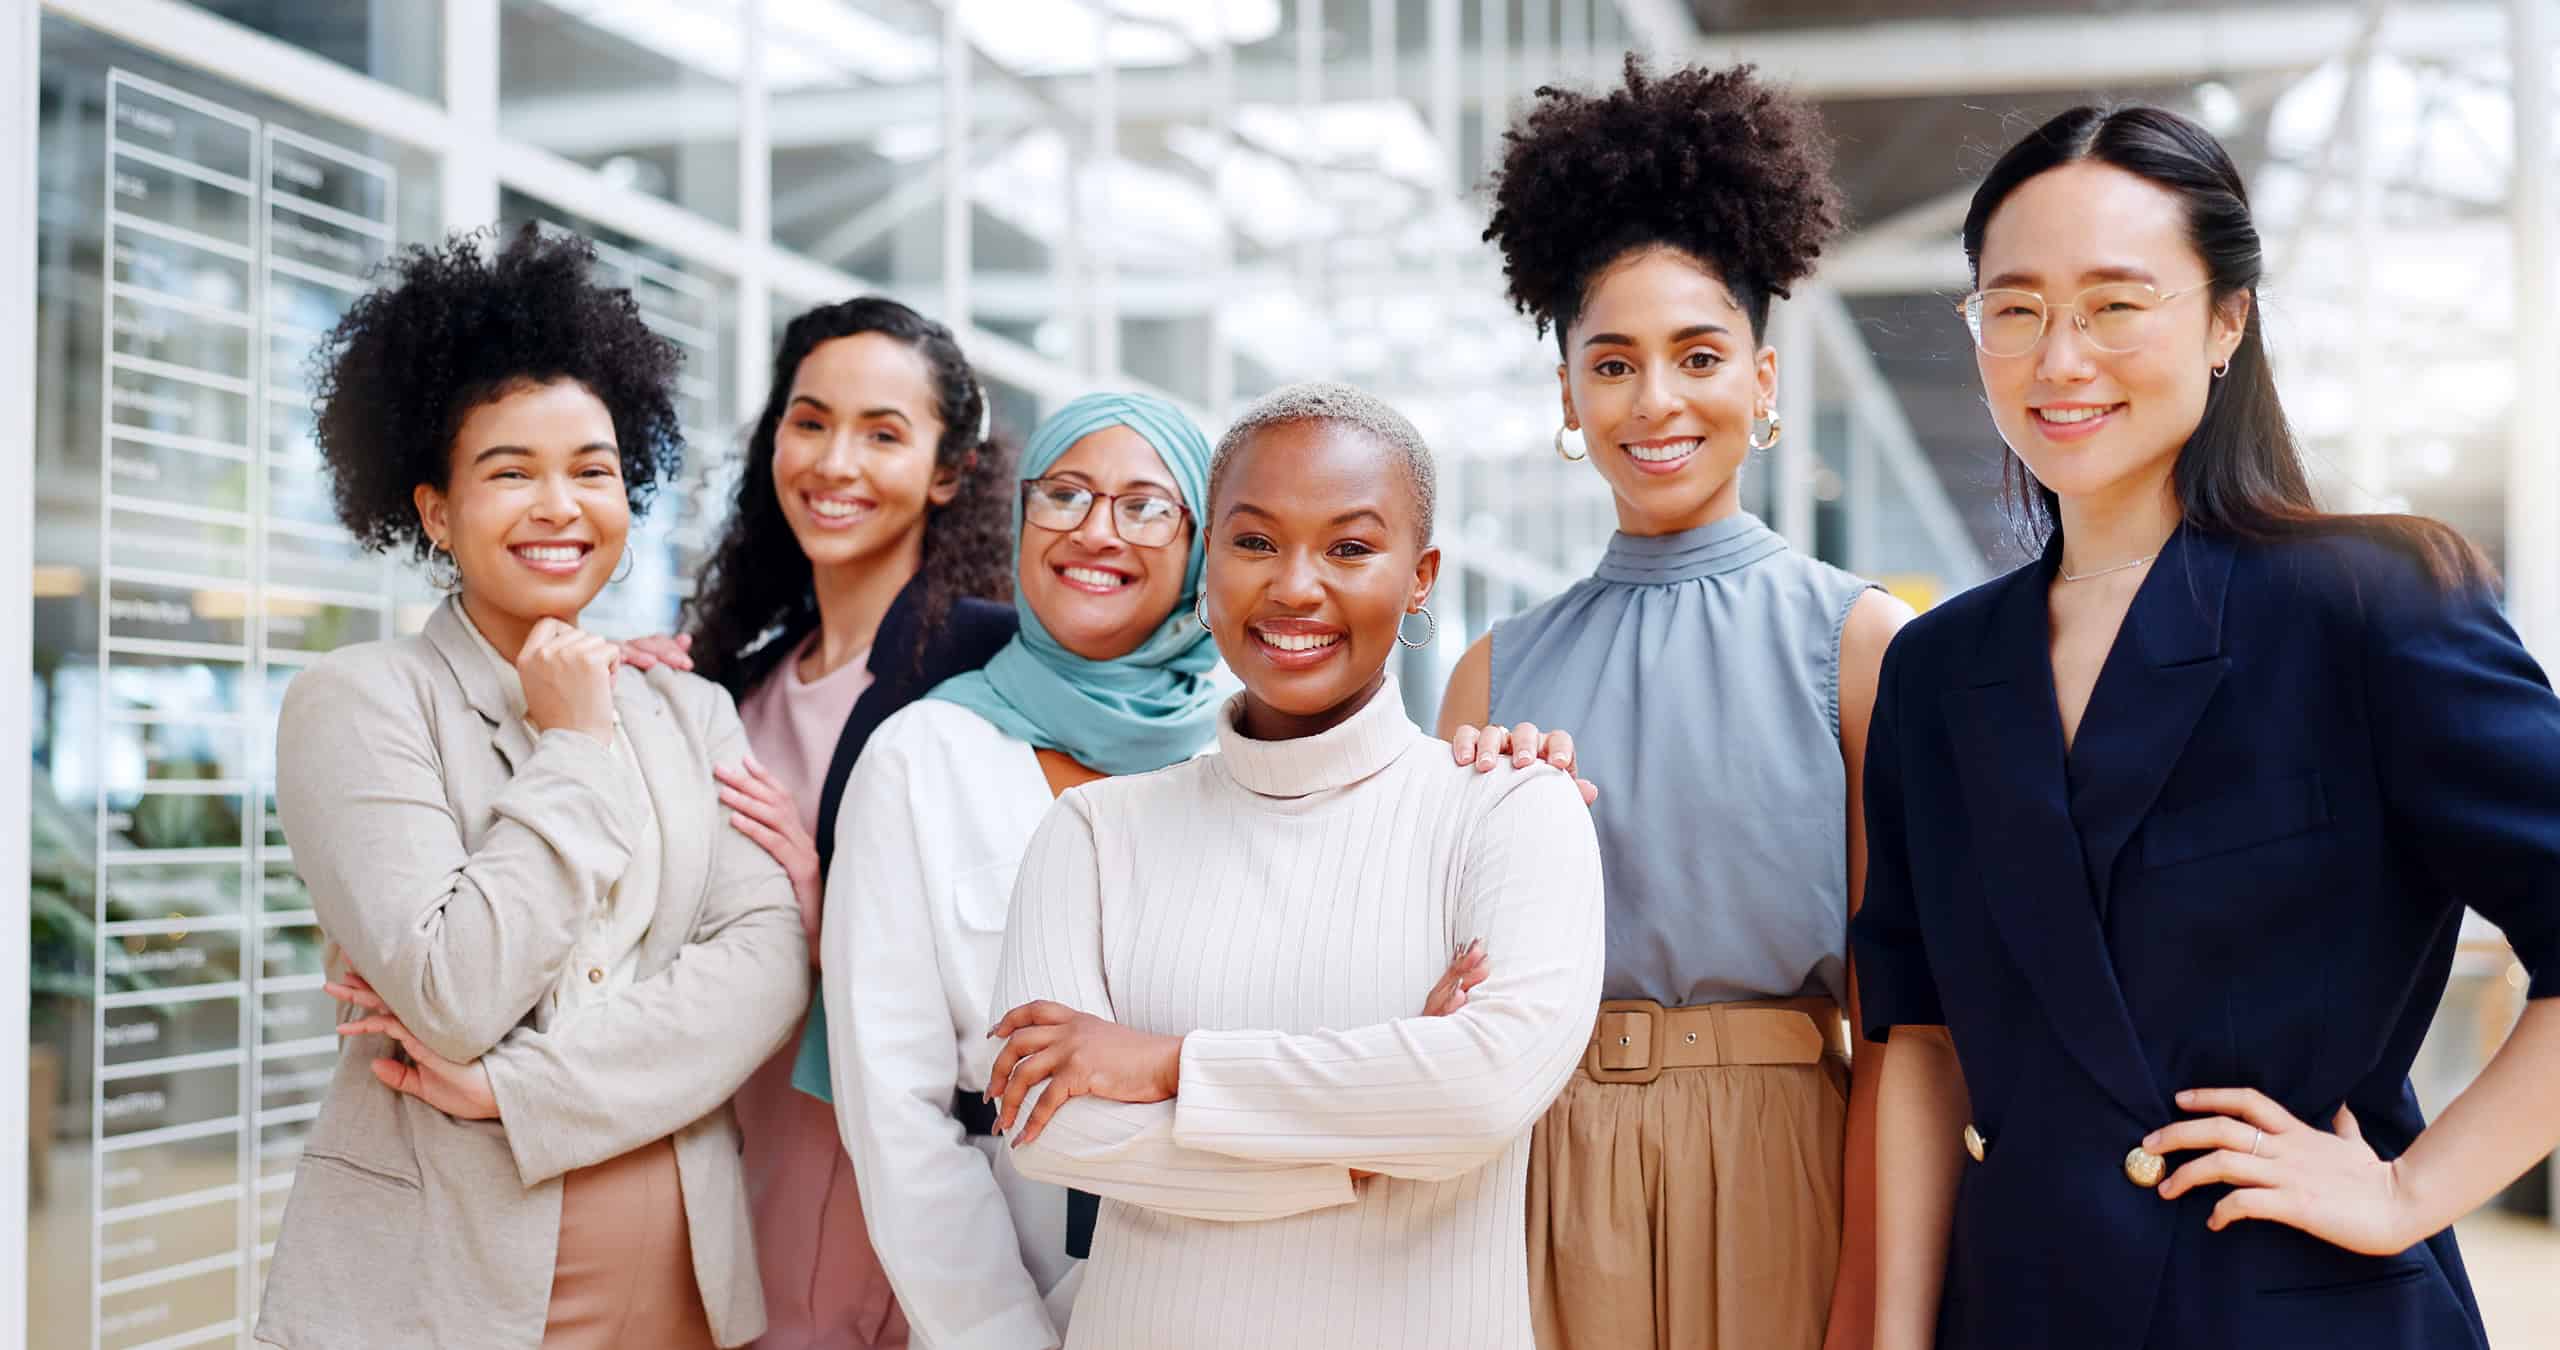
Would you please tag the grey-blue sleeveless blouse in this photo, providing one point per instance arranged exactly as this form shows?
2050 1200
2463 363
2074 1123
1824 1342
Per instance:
1699 673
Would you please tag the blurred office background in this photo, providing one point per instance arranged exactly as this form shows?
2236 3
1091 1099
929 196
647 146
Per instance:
1206 198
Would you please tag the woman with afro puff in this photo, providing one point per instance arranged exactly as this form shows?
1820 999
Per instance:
560 960
1704 1183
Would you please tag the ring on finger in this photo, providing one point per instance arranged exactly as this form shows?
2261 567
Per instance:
2256 1137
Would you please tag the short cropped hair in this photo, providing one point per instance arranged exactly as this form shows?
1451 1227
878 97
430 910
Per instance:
1341 405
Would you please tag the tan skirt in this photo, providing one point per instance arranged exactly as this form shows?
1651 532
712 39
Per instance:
624 1277
1700 1211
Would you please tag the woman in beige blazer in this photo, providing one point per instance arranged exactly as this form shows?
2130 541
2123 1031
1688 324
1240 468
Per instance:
561 960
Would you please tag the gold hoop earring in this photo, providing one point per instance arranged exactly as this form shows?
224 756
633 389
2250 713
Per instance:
1428 637
1560 450
1777 428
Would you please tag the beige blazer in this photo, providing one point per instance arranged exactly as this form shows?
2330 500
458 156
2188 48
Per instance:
454 856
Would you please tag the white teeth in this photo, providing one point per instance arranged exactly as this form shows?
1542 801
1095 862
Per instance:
1663 454
828 509
1298 642
549 553
2068 416
1093 576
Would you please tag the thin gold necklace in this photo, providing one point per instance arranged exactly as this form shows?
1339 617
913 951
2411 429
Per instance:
2105 571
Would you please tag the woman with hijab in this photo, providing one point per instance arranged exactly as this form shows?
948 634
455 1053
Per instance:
1108 674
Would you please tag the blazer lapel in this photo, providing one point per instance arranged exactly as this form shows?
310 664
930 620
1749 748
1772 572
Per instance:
2007 741
896 681
2163 672
679 790
450 634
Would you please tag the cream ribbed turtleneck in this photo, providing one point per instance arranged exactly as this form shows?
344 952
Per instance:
1285 906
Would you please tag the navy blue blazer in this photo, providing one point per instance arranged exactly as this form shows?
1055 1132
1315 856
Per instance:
2300 762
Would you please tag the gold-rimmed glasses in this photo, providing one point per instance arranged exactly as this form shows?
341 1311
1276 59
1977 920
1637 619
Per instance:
2117 316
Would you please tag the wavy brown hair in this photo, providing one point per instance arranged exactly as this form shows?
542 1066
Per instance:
758 599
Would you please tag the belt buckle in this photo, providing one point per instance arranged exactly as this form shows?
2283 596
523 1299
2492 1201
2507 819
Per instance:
1620 1026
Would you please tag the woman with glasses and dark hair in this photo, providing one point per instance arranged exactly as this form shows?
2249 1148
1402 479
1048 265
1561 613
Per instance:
1108 673
2172 829
1703 1183
861 565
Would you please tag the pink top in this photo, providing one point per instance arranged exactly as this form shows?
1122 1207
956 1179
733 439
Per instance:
823 1287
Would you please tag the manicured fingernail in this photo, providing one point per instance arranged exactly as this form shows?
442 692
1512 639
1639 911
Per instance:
2187 1096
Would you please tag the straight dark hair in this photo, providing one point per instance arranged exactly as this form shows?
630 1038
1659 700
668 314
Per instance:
758 596
2240 473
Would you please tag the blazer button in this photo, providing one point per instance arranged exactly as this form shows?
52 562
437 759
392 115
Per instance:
2143 1167
1974 1143
595 974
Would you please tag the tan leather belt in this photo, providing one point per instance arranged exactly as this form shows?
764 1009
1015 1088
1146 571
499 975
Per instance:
1636 1039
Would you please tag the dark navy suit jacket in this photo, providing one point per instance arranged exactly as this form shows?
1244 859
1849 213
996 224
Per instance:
2300 762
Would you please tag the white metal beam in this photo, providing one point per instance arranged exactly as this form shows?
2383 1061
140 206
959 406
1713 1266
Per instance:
747 371
2533 448
586 125
469 182
1914 57
1890 265
1791 463
1880 413
21 36
958 240
1664 29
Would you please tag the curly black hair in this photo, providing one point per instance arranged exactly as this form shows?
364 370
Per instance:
452 328
1730 171
757 598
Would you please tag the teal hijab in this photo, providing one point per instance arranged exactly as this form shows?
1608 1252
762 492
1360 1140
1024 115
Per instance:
1133 714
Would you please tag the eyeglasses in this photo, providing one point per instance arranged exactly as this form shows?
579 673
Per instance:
1144 519
2120 316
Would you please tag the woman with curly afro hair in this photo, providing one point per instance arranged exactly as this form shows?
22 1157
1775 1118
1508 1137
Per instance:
560 960
863 563
1705 1182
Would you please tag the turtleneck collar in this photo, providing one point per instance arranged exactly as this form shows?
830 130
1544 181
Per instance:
1712 549
1365 742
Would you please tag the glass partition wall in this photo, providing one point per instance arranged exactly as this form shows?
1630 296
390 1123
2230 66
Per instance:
1203 197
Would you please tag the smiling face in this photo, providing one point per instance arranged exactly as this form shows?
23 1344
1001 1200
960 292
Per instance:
853 460
1315 558
1664 376
533 507
2093 425
1097 594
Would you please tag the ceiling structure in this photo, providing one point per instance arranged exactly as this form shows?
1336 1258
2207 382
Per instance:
1350 212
